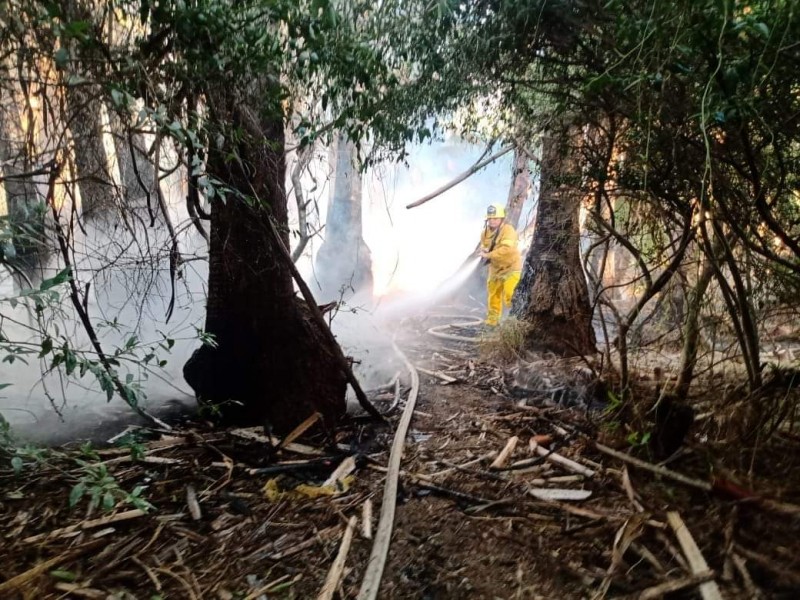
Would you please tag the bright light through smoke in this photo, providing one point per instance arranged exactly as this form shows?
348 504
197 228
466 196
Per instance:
416 250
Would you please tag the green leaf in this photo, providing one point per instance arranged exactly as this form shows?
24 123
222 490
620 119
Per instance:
47 347
76 493
16 464
61 277
64 575
70 361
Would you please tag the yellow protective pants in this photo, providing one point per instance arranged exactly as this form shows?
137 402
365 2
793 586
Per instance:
501 290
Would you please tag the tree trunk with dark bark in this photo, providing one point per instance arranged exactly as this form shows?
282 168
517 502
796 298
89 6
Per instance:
552 295
344 262
269 356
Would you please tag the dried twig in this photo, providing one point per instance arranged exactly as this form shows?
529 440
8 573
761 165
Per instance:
192 503
438 374
708 590
335 573
664 472
563 461
505 453
741 567
366 519
319 536
123 516
300 430
347 466
674 585
769 564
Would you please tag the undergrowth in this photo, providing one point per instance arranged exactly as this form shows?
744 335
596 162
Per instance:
505 342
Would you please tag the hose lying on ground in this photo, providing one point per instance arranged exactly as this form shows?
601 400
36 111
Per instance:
383 535
438 331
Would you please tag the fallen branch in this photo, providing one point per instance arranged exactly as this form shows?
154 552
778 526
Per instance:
565 462
663 471
741 567
559 494
252 433
438 374
290 467
708 590
347 466
344 364
300 429
454 493
123 516
505 453
335 573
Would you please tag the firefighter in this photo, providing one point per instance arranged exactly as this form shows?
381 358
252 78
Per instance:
499 247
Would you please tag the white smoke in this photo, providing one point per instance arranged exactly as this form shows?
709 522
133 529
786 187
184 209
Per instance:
413 252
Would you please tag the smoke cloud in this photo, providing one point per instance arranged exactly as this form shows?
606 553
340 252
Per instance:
413 252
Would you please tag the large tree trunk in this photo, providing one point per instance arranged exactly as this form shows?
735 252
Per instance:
552 295
519 189
269 355
19 199
344 262
87 118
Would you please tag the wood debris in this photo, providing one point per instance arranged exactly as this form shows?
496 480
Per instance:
709 590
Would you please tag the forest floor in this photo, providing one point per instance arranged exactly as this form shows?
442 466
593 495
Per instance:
236 518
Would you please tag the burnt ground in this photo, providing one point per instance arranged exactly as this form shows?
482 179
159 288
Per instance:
265 527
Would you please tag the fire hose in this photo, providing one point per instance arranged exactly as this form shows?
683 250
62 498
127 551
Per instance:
383 535
370 584
470 321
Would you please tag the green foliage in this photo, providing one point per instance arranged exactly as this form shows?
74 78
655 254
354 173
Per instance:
638 439
102 489
95 483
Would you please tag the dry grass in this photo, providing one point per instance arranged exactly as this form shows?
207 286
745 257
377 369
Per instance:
504 343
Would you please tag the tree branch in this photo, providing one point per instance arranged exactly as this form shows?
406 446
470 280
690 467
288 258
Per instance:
466 174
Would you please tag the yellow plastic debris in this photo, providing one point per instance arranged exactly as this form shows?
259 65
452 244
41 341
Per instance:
273 492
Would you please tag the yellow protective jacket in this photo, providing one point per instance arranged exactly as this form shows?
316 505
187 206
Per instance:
505 257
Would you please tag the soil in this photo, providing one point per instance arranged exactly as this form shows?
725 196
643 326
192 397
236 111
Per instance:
466 532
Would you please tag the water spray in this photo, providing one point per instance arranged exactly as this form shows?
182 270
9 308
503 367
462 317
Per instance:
457 280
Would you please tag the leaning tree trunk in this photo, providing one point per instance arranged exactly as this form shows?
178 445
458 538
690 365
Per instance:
269 355
520 186
344 262
552 295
